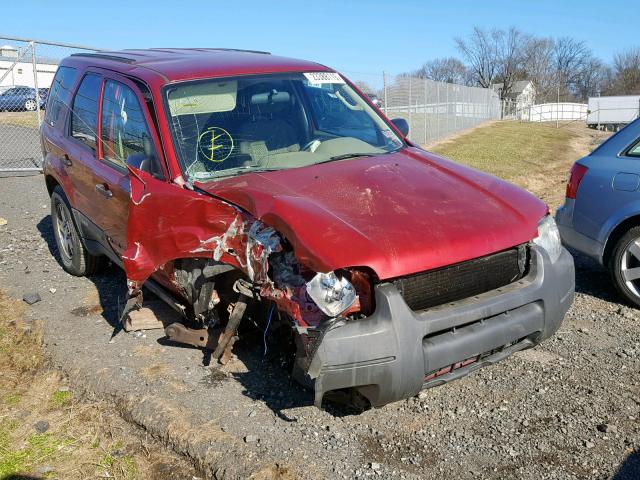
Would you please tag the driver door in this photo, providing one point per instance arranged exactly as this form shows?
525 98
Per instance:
124 138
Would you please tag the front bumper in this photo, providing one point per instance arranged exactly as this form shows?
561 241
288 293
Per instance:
387 355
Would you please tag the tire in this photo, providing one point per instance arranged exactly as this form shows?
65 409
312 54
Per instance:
30 105
74 257
624 261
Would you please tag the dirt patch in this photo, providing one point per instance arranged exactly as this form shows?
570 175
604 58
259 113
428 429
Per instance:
47 432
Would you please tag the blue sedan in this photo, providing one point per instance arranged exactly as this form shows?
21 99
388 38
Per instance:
601 213
21 98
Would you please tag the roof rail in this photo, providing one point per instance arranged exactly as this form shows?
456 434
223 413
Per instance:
242 50
105 56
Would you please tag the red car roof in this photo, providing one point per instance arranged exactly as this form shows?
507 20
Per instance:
175 64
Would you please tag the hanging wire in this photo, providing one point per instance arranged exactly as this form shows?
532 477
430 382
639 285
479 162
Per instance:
264 338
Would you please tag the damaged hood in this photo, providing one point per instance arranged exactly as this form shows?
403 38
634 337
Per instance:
397 214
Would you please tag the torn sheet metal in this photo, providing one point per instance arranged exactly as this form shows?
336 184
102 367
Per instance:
167 222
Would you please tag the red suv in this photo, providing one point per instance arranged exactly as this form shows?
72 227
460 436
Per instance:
234 181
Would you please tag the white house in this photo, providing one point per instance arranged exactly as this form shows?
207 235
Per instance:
519 100
22 72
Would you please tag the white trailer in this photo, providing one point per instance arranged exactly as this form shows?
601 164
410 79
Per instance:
613 113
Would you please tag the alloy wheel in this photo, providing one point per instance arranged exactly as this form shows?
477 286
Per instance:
64 230
630 266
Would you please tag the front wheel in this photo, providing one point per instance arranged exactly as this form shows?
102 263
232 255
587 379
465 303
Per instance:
30 105
624 266
76 260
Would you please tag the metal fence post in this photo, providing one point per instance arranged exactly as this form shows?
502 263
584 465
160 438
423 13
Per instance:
410 101
384 83
20 149
438 110
425 109
34 63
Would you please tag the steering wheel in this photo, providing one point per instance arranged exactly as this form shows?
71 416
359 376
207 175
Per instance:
308 145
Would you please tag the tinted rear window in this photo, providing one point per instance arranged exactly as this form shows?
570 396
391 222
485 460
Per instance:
84 118
60 93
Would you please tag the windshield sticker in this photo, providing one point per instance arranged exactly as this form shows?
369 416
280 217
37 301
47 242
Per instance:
215 144
318 78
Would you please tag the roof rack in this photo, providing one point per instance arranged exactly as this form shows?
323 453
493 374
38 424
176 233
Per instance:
242 50
105 56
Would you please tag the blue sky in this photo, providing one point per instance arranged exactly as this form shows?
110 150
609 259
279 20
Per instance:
359 38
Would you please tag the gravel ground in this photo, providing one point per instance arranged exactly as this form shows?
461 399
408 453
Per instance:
569 408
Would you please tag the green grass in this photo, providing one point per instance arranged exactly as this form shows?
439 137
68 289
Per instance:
12 399
509 149
38 449
60 398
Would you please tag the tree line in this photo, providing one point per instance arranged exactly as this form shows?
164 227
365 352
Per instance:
563 67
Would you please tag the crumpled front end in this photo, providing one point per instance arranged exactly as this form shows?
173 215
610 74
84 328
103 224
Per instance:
199 237
397 351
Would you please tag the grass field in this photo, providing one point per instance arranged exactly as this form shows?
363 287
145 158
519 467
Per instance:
509 149
24 119
536 156
46 432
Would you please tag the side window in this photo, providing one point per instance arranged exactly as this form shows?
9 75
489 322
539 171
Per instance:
634 151
84 118
60 93
125 136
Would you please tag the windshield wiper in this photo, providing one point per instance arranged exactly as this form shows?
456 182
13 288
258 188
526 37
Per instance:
345 156
240 171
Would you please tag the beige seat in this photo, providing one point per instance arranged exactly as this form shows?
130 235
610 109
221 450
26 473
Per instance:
268 132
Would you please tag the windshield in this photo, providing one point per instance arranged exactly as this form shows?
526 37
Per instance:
224 127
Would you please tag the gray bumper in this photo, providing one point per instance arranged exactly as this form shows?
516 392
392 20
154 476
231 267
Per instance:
387 355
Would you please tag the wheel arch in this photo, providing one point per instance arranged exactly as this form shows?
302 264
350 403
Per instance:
51 183
616 234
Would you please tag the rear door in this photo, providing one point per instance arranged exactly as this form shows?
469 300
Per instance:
81 146
125 137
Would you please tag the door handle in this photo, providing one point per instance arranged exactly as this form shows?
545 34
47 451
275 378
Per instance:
66 160
104 190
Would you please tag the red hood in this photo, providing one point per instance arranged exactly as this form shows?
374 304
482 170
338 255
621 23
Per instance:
398 214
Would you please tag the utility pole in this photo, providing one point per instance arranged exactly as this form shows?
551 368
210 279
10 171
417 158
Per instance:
558 109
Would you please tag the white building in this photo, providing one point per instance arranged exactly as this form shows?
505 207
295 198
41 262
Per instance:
519 100
21 73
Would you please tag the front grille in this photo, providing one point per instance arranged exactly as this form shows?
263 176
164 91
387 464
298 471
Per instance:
463 280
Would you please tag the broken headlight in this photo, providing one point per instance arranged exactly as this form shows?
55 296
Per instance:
332 294
549 237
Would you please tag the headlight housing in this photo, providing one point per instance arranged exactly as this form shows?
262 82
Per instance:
549 237
331 293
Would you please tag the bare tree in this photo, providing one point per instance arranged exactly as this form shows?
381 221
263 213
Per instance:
626 67
495 56
364 86
449 70
510 57
572 60
538 65
480 51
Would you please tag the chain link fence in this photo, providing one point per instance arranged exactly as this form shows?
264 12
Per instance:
27 68
436 110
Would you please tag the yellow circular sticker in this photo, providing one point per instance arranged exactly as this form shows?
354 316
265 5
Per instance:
215 144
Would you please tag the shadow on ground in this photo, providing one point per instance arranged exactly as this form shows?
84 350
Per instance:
267 380
19 477
110 283
593 279
630 468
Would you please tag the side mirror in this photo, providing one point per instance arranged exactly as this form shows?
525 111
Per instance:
402 125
